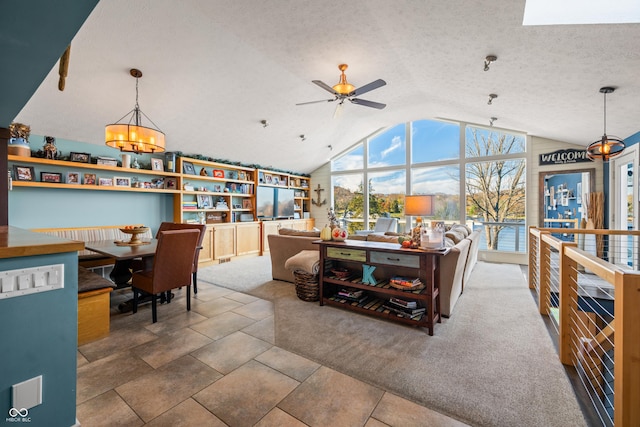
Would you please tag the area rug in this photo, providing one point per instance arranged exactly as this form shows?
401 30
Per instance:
491 364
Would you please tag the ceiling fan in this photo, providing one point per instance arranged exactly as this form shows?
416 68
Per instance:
346 91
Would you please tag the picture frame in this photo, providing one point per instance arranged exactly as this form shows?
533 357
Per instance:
204 201
122 181
242 175
232 174
237 206
89 179
157 164
23 173
187 168
170 184
268 179
218 173
246 204
53 177
217 189
105 182
73 178
276 180
80 157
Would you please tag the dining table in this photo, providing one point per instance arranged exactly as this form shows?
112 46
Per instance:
124 255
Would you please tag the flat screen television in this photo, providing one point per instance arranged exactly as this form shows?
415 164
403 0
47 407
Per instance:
274 202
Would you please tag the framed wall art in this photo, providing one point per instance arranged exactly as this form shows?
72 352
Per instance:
122 181
157 165
105 182
73 178
89 179
23 173
80 157
50 177
187 167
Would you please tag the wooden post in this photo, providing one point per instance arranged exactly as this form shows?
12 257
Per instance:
627 349
5 134
567 338
544 298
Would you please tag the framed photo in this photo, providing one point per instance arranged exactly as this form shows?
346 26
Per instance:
242 175
232 174
89 179
105 182
237 206
73 178
268 179
23 173
276 180
205 201
157 165
122 181
187 167
217 188
246 204
50 177
170 184
80 157
218 173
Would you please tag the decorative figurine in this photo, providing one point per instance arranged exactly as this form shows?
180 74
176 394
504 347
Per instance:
49 147
203 172
135 164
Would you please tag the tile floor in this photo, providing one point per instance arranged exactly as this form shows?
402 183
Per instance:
218 365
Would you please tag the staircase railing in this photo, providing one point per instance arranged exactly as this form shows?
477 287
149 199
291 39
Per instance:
590 289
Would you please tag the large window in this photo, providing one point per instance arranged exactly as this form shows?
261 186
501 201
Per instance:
477 175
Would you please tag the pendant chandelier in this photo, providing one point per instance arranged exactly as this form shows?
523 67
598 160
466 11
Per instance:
607 146
132 137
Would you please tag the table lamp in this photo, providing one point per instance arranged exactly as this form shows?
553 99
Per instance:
418 206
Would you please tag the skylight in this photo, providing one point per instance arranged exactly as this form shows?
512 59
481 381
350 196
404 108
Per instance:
572 12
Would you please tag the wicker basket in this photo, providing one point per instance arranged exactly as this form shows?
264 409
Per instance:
306 285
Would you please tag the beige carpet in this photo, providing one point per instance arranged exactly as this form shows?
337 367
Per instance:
491 364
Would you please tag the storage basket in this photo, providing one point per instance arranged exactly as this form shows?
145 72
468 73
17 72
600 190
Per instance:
306 285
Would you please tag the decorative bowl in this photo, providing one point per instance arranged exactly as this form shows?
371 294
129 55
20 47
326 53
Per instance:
135 233
341 273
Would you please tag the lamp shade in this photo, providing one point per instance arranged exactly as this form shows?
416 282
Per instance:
132 138
418 205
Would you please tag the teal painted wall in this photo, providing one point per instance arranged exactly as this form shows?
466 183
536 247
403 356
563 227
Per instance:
47 208
39 337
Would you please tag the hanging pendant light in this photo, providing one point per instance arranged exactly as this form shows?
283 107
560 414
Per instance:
132 137
607 146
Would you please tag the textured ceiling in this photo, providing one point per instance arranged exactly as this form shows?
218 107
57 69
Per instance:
213 69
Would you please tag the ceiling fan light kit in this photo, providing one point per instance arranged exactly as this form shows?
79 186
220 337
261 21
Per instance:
344 90
605 147
132 137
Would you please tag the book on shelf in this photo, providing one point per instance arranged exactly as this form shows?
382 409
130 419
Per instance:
403 303
350 294
404 309
402 313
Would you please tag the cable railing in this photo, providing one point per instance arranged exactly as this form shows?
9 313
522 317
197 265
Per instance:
590 289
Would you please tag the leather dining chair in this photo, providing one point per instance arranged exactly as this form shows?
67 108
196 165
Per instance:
172 268
178 226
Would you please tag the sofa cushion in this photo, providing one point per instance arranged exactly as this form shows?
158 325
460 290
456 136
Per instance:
293 232
455 235
461 229
382 238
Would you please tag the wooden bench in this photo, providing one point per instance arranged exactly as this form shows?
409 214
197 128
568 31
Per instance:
93 289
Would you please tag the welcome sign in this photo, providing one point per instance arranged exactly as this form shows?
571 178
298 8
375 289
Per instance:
561 157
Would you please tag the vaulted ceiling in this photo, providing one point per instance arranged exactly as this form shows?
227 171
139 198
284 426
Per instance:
213 69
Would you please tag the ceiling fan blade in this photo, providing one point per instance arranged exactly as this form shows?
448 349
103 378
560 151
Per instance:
326 87
366 103
316 102
368 87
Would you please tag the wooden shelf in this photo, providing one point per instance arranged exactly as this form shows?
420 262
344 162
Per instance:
64 186
79 165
